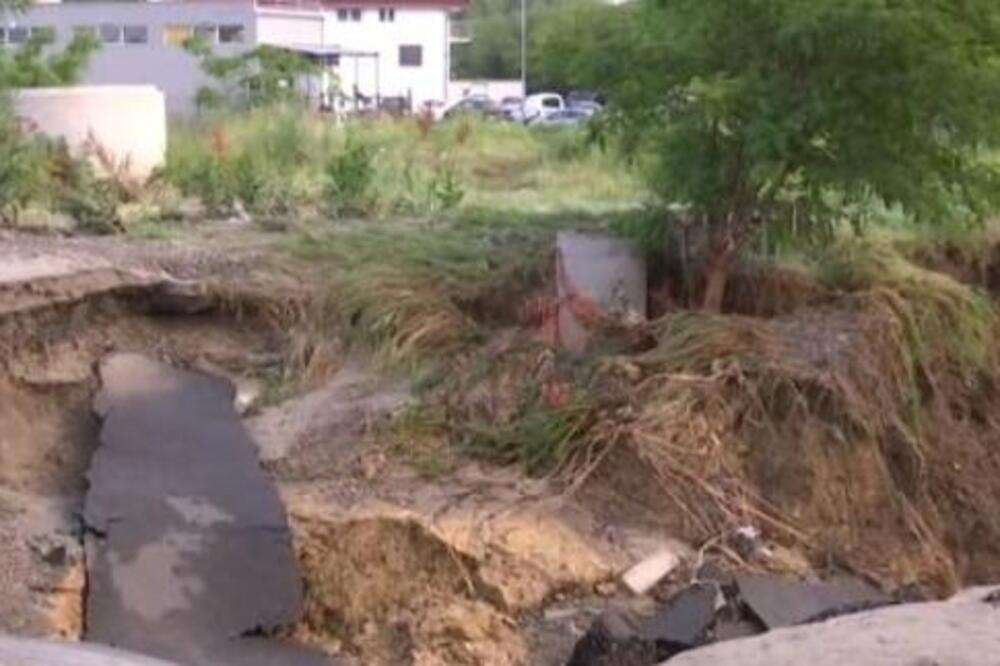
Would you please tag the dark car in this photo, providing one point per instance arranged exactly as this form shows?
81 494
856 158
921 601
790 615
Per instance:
478 105
582 97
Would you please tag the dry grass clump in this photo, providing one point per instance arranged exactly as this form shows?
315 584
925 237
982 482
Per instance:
421 292
829 428
840 429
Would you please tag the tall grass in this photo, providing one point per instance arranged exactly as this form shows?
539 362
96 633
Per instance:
280 161
415 290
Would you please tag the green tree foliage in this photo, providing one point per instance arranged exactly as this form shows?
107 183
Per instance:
35 65
260 77
495 49
586 44
775 112
582 44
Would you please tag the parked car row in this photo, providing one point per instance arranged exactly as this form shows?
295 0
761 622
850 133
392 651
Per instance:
542 109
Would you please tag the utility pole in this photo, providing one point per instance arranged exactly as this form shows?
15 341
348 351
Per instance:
524 46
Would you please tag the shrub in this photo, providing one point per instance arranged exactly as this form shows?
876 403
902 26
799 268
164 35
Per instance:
446 190
350 175
92 201
22 167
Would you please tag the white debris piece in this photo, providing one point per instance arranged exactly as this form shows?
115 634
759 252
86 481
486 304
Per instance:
644 576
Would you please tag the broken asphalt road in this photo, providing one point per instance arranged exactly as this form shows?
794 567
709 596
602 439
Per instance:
188 546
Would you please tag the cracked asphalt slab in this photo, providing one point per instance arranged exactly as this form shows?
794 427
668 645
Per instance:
188 546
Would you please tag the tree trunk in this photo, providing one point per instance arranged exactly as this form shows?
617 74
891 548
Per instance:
722 249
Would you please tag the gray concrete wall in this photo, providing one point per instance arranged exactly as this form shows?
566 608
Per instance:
171 69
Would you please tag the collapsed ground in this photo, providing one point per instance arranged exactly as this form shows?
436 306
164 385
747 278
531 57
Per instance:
844 410
462 491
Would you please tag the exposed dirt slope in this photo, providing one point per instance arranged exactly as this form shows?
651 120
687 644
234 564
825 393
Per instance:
64 304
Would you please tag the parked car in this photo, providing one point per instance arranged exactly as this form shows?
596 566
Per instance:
542 105
477 105
574 97
590 108
512 108
563 118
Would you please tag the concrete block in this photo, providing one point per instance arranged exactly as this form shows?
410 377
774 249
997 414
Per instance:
600 279
129 123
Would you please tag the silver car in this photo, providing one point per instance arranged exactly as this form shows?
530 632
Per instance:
566 118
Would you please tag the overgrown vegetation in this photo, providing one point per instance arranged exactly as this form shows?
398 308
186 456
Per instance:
415 292
34 65
285 161
41 172
798 115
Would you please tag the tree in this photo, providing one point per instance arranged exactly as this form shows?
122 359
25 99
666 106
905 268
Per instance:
762 111
258 77
495 49
582 44
33 66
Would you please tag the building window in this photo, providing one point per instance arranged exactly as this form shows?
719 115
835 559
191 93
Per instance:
207 33
411 56
111 33
355 14
43 33
85 30
352 14
231 34
177 35
136 34
17 35
386 14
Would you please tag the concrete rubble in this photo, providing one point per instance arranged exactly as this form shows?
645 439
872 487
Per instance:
963 631
718 609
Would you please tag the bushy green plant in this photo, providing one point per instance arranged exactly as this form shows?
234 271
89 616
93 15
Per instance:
350 174
77 190
446 189
254 160
22 167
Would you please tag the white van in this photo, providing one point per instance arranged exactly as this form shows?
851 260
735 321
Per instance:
542 105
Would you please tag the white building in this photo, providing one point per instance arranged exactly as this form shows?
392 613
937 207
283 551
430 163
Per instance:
377 49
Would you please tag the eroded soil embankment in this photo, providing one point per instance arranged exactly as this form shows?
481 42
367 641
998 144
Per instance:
58 317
